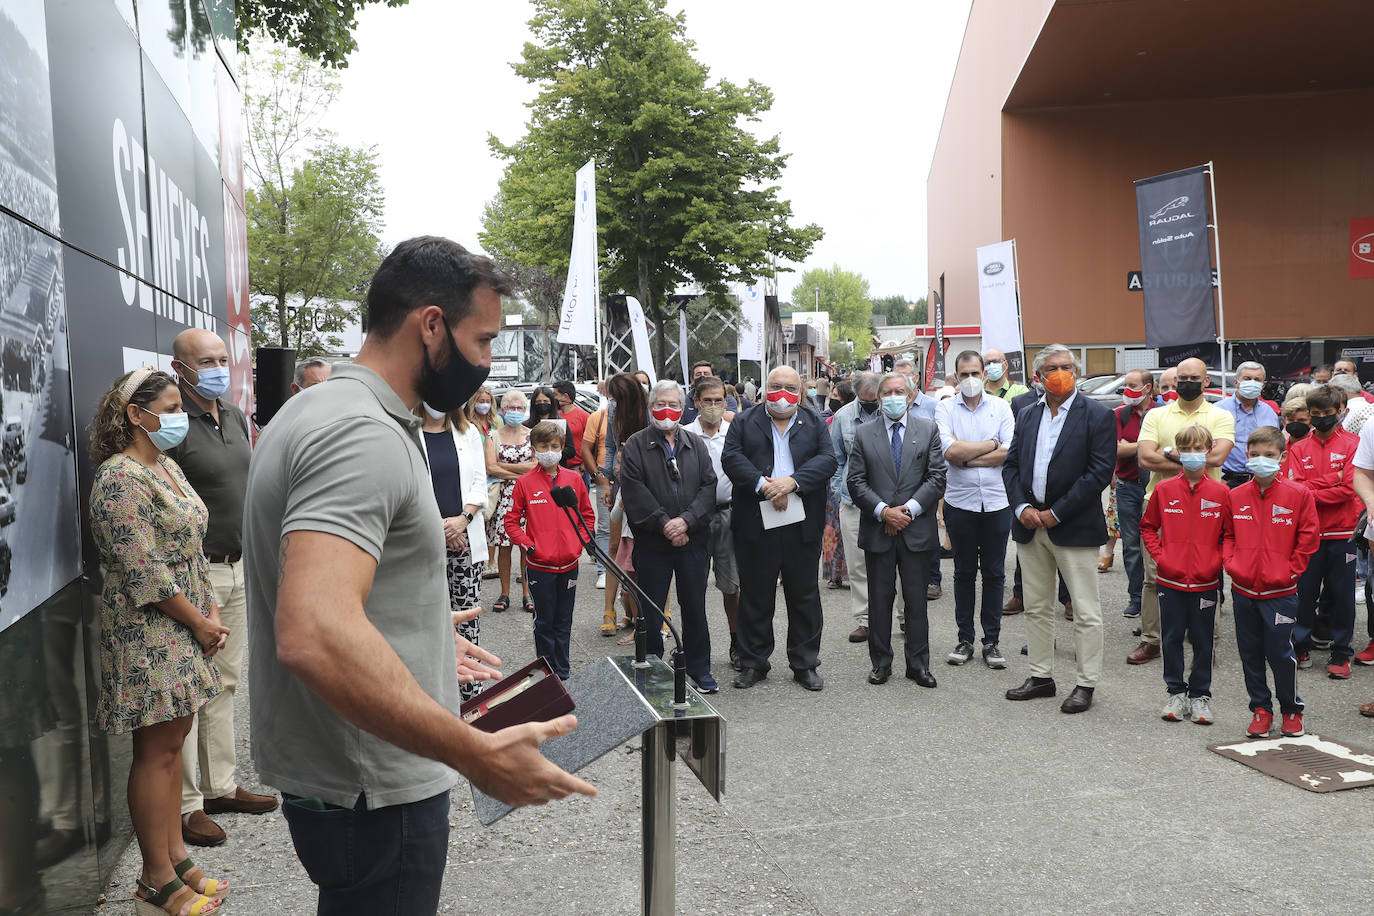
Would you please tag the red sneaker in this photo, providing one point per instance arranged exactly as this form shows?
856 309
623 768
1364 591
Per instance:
1338 670
1367 656
1259 725
1292 725
1304 660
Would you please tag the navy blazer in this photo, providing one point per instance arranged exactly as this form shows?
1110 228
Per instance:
1080 469
748 455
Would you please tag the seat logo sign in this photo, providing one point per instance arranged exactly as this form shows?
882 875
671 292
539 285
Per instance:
1363 248
993 268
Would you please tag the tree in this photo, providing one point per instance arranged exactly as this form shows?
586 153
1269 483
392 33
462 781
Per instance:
844 295
314 209
900 310
542 293
321 30
685 194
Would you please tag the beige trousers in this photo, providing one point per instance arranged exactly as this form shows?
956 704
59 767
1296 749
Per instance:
1040 558
207 757
854 561
1149 600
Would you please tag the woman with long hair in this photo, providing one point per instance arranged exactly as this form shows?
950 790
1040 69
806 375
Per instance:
159 623
628 414
544 406
508 455
482 413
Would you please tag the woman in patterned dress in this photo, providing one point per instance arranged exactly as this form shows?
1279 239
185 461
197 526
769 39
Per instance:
508 456
481 411
159 621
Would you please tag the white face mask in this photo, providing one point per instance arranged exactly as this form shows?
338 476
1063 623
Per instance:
434 414
548 460
482 407
971 386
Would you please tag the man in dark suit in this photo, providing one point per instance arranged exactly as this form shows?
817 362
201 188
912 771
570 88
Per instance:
776 452
1060 461
896 478
1015 604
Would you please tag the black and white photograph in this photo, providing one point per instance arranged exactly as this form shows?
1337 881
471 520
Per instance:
28 171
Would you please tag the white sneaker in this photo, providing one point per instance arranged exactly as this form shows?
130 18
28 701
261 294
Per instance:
1202 710
1176 710
601 580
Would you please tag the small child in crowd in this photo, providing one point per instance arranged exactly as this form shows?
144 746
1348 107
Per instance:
540 528
1265 548
1182 528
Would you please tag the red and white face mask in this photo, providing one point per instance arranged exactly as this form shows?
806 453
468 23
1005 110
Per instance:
782 402
1133 396
665 418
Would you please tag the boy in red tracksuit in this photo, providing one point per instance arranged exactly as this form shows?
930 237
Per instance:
1182 528
1323 463
1265 549
551 545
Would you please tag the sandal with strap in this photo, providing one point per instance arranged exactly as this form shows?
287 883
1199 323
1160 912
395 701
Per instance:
196 880
608 624
501 604
529 605
175 898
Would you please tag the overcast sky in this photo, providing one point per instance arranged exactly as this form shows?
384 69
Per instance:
859 91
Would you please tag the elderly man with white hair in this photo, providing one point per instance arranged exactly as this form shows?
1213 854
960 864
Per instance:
1250 413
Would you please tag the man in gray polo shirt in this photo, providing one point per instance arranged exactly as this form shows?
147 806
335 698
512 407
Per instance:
353 686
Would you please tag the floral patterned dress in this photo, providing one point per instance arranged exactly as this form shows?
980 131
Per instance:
149 538
508 454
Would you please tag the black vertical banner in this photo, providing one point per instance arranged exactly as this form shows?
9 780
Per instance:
1176 258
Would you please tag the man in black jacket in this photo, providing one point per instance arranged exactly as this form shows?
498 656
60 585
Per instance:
778 452
668 488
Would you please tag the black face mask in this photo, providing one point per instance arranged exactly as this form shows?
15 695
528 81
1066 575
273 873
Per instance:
1325 424
835 404
1295 429
543 410
1189 391
869 406
450 387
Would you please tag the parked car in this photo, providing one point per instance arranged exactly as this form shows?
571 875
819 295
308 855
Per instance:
1107 390
5 560
21 469
7 507
14 438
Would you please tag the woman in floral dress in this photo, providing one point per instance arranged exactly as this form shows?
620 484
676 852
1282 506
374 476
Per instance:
159 621
508 456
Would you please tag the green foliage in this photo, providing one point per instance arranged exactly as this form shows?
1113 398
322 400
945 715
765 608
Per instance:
321 30
845 296
900 310
685 194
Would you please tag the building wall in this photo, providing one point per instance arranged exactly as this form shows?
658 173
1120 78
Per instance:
1291 171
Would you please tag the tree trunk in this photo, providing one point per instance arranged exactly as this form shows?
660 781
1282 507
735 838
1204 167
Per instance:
281 321
654 311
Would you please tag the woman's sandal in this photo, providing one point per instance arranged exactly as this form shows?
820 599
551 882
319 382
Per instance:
529 605
502 604
175 898
196 880
608 624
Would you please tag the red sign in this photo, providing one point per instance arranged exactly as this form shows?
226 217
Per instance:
1362 248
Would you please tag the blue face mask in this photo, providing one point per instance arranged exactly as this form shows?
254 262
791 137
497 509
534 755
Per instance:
170 432
213 382
811 392
1193 461
1262 466
894 406
514 417
1250 388
995 371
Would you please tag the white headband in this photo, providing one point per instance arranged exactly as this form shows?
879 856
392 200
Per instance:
136 378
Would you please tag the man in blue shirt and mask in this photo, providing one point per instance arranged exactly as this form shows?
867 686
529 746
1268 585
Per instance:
1250 413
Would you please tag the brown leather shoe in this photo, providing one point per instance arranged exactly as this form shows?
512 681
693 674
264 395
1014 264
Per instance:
860 634
1367 710
1142 654
241 802
1014 605
1068 610
198 830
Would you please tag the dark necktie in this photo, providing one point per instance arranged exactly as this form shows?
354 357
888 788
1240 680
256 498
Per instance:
897 447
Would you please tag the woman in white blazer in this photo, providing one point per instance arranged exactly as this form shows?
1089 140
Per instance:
456 455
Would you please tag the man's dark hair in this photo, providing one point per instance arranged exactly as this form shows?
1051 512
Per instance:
566 388
706 383
703 362
968 354
428 270
1324 397
1324 367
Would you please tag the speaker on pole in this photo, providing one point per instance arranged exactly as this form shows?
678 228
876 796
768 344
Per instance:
275 368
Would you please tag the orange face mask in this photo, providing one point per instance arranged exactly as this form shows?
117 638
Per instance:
1059 382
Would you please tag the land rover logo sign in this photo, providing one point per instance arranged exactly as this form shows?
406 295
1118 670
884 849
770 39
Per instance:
993 268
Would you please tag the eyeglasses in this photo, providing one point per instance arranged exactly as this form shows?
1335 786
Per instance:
673 470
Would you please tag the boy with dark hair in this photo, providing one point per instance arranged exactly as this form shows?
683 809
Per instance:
541 529
1265 548
1323 463
1182 528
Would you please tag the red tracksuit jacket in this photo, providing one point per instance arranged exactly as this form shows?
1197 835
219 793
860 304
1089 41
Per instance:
1325 468
548 538
1270 539
1182 528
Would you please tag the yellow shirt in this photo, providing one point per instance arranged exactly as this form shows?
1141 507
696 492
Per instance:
1162 424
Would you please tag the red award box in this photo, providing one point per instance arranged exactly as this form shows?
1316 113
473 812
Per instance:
532 694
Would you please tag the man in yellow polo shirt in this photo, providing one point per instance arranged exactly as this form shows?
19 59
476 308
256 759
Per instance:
1157 455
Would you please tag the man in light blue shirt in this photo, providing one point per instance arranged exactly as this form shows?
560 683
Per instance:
843 425
1250 414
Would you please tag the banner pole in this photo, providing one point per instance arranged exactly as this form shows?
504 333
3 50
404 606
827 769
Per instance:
1020 328
1216 246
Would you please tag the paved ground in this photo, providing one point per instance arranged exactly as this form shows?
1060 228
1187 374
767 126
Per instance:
897 799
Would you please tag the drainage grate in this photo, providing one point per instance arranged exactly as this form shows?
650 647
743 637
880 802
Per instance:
1310 762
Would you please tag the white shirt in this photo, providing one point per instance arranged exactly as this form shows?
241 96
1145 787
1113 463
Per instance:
974 489
913 508
715 446
1047 437
1364 455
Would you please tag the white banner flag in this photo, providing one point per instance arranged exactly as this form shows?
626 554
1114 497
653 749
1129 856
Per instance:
640 332
821 322
751 323
577 325
1000 316
682 343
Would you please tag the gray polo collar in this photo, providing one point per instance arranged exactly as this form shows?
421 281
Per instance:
384 393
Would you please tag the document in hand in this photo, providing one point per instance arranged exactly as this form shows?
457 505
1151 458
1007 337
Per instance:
774 518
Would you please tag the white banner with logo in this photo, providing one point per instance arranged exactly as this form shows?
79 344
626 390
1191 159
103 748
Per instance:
640 334
752 321
577 324
999 313
821 322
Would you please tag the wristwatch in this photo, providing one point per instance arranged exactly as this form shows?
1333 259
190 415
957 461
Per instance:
1168 452
468 515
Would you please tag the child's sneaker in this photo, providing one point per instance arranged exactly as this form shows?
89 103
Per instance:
1366 657
1292 725
1176 710
1338 670
1259 725
1304 660
1201 710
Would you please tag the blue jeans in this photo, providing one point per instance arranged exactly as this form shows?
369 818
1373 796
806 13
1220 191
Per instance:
554 594
603 525
980 541
385 862
656 570
1130 506
1328 565
1264 633
1196 614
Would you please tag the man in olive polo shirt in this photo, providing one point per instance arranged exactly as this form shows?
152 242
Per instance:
215 456
998 381
354 688
1156 454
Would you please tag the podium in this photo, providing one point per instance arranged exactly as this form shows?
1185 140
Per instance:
616 699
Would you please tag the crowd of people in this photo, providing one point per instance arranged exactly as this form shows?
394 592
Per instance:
347 550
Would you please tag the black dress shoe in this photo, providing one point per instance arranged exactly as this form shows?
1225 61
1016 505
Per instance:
1078 700
880 674
1030 690
748 677
808 678
921 676
734 658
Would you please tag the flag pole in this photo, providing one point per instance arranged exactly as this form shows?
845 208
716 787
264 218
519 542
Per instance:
596 279
1216 247
1020 328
